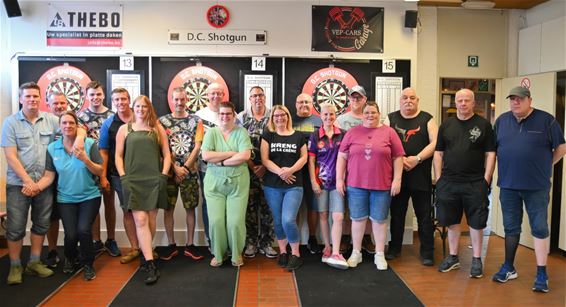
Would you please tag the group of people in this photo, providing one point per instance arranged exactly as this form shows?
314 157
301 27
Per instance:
257 168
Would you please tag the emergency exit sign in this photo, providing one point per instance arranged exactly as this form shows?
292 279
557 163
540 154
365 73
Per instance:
473 60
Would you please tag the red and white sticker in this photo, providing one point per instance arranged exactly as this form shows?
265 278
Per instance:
330 85
218 16
68 80
195 80
526 83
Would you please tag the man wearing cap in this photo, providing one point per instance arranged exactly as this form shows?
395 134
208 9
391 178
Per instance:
464 161
529 142
417 131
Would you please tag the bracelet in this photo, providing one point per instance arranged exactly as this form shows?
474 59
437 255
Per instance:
222 163
186 167
419 159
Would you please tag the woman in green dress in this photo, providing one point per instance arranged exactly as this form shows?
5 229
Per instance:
143 160
227 148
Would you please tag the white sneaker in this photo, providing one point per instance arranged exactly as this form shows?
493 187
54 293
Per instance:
250 251
269 252
355 259
380 262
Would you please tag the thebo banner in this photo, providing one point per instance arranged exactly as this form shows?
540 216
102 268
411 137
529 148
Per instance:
80 25
347 29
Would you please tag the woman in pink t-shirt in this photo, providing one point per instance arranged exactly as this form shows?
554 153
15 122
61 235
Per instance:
369 170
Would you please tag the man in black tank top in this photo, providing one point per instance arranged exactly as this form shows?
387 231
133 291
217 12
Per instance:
417 131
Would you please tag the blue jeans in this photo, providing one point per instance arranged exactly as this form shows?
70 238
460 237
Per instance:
372 203
17 207
536 205
330 201
77 221
284 204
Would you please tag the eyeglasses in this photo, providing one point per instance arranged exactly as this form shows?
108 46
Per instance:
356 97
303 102
279 115
257 95
225 114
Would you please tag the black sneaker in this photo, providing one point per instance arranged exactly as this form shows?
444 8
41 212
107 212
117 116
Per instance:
152 273
427 261
313 246
70 266
391 254
477 270
283 260
98 246
52 259
449 263
294 263
192 251
169 252
112 248
88 272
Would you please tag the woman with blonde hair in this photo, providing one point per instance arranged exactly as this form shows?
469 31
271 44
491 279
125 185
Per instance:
284 153
143 160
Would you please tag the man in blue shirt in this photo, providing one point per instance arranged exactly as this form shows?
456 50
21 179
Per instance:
529 143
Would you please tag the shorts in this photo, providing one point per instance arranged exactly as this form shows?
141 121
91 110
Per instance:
364 202
536 205
116 184
330 201
18 206
189 188
455 198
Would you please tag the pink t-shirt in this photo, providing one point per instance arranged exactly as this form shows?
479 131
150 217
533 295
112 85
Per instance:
370 156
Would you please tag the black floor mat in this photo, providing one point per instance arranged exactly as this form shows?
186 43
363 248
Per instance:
183 282
321 285
34 289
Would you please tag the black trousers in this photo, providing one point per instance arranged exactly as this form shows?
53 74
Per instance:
423 209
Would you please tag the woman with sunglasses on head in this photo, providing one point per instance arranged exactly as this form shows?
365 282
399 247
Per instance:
227 149
143 161
284 153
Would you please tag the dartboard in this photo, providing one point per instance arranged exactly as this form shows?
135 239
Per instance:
331 91
71 89
196 93
180 143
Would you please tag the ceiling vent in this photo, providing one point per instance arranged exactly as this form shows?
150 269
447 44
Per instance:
478 5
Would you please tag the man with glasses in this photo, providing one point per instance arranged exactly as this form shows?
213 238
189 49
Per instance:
305 122
259 221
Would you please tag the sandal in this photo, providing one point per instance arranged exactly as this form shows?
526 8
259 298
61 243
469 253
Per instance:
238 263
215 263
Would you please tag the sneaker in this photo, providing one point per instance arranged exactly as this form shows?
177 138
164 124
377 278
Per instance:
39 269
477 269
88 272
130 256
152 273
192 251
168 252
355 259
269 252
380 262
98 246
326 254
294 263
449 263
250 251
69 266
112 248
424 261
541 283
505 274
338 262
368 245
391 254
282 260
15 275
313 246
52 259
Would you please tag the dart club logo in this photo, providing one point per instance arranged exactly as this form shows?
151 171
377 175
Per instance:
330 85
195 80
346 28
68 80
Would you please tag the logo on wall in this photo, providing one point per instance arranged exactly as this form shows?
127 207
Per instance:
195 80
68 80
330 85
217 16
347 29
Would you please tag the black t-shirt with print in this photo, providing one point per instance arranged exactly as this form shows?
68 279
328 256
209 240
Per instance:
284 151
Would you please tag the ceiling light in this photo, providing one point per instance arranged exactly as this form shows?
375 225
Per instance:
478 5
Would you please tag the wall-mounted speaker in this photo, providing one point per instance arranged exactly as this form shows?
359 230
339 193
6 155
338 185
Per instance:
411 19
12 8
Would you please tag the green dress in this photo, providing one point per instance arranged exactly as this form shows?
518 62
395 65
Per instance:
144 186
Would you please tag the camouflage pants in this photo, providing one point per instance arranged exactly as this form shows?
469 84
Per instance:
259 221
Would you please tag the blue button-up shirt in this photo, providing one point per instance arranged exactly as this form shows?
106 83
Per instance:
31 140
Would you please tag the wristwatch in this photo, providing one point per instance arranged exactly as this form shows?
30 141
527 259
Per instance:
419 159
